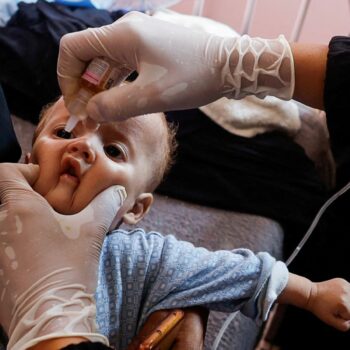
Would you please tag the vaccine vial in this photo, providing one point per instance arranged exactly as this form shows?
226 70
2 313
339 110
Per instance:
99 75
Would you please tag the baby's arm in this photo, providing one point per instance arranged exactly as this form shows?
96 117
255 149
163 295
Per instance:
175 274
328 300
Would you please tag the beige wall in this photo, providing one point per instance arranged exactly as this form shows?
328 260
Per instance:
325 18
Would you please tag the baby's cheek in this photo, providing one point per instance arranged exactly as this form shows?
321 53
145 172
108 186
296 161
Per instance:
42 183
47 164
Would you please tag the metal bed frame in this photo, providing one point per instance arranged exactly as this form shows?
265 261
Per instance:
248 16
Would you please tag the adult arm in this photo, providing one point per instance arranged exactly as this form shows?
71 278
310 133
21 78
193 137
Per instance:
181 68
178 68
310 62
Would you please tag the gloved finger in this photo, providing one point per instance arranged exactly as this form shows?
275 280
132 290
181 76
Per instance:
76 50
79 48
114 198
119 76
26 173
15 178
101 212
70 65
123 102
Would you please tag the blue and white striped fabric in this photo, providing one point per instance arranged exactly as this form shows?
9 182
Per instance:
144 272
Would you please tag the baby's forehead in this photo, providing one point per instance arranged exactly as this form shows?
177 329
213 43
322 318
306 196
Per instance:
147 130
145 124
147 127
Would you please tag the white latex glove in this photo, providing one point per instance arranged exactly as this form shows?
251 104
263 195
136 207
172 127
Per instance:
48 261
178 68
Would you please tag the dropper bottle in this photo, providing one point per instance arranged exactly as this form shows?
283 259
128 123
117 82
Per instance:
99 75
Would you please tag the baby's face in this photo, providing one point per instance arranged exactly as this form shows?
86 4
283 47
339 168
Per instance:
75 167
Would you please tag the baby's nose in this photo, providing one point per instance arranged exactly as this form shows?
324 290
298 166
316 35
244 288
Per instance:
83 149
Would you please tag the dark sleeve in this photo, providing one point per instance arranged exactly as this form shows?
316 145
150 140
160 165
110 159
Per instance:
10 150
337 104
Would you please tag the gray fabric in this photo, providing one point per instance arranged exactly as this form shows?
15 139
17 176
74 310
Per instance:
208 227
217 229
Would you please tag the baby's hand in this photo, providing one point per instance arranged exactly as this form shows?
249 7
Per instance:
330 301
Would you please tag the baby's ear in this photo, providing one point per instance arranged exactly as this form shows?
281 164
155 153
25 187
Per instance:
139 210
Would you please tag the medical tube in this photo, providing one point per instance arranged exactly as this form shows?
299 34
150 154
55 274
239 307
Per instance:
99 75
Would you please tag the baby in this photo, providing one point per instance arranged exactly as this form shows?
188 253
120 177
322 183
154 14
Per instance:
140 272
75 167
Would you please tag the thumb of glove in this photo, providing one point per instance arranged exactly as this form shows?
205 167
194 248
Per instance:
17 177
25 173
104 208
124 101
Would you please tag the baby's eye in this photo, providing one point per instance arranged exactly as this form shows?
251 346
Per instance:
113 151
63 134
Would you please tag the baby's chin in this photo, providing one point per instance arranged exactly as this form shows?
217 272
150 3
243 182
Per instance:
63 209
61 205
62 199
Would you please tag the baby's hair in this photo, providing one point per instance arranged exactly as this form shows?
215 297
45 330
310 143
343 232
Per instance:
42 119
168 152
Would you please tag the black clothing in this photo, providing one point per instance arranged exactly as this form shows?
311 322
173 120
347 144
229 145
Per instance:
326 255
10 150
267 175
29 49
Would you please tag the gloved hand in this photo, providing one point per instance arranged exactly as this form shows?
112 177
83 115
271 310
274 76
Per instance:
48 261
178 68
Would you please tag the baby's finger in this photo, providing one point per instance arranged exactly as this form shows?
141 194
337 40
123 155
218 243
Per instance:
341 324
344 312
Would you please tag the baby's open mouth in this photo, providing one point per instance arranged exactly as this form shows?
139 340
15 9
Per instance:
71 172
71 169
